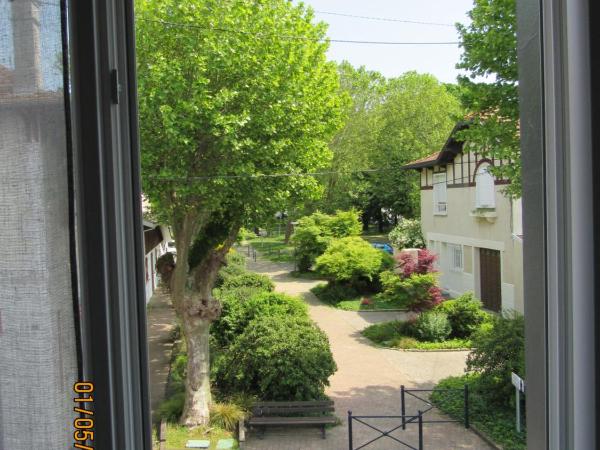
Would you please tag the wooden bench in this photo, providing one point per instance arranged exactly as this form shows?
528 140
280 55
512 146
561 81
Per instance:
266 414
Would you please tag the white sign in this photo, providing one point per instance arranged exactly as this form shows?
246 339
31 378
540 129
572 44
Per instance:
518 382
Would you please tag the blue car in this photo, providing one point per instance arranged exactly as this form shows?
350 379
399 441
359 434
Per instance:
385 247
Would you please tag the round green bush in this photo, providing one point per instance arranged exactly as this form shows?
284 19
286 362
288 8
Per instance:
464 313
432 326
239 309
235 264
248 280
279 357
351 260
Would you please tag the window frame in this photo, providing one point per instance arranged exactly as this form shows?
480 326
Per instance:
438 188
479 186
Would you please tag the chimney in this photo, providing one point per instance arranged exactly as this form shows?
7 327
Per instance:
26 41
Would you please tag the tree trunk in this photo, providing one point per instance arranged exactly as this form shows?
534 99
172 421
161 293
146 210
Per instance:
200 309
289 229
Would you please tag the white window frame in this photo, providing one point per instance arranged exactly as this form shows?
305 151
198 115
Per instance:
440 194
456 257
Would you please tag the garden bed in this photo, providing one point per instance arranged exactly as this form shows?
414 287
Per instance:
395 335
496 422
273 248
349 299
178 435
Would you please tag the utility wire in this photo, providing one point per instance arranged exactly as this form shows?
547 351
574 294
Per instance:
386 19
288 37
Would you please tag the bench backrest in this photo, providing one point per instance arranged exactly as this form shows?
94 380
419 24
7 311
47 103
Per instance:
281 408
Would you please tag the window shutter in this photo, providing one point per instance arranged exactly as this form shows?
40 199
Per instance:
485 191
439 194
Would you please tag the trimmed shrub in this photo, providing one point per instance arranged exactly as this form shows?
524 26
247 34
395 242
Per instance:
248 280
464 313
172 408
313 234
235 264
419 292
239 311
407 234
432 326
498 351
333 293
277 358
351 260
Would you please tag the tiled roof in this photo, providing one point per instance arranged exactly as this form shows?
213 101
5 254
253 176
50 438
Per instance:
421 161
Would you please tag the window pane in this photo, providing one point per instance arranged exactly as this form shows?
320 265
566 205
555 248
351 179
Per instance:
38 351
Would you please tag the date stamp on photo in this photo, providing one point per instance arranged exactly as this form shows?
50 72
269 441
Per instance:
84 424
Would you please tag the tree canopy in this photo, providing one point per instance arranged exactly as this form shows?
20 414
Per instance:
490 91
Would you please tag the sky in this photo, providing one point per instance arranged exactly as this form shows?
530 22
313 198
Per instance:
393 60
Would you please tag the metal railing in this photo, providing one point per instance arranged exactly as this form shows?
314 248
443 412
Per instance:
413 393
385 434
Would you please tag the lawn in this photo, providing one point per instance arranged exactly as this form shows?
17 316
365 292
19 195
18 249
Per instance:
497 422
348 299
394 335
177 436
273 248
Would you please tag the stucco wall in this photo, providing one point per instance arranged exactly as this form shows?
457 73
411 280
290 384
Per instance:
460 227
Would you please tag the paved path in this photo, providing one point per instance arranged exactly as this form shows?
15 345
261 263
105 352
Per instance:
160 324
368 380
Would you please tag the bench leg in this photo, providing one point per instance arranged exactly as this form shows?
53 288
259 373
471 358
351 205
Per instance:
323 431
262 432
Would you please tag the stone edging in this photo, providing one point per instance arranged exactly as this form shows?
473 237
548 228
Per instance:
423 350
487 440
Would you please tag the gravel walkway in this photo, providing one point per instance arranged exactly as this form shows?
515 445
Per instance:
368 380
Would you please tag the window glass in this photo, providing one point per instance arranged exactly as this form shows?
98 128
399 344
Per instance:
38 352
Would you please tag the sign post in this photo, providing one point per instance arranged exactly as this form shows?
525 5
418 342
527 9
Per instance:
519 384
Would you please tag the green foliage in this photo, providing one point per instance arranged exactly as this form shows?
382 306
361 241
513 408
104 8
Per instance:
171 408
416 118
464 313
384 332
351 260
496 421
248 280
489 45
419 291
314 233
333 293
282 357
407 234
226 416
244 102
498 351
235 265
239 311
432 326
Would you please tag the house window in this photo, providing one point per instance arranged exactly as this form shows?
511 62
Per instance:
456 257
440 205
485 190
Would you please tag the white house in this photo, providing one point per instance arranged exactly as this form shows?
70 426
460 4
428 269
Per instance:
156 240
473 227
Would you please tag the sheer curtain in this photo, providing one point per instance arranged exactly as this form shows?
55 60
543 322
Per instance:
38 357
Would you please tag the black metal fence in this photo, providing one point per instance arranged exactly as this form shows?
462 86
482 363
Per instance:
416 393
385 433
405 419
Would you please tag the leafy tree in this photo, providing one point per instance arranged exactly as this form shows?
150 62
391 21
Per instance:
491 90
354 145
224 98
418 114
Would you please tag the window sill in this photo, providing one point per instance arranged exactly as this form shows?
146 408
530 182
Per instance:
440 213
485 214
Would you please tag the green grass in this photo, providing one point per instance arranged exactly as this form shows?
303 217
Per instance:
394 334
178 435
274 248
349 299
497 422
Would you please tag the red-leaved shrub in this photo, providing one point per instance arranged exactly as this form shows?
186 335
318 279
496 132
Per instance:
423 264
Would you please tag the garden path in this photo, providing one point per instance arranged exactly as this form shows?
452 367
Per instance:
368 379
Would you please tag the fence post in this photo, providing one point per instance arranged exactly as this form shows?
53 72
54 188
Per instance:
421 430
403 407
467 424
350 445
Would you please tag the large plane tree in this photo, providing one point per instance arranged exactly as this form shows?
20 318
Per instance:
236 100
